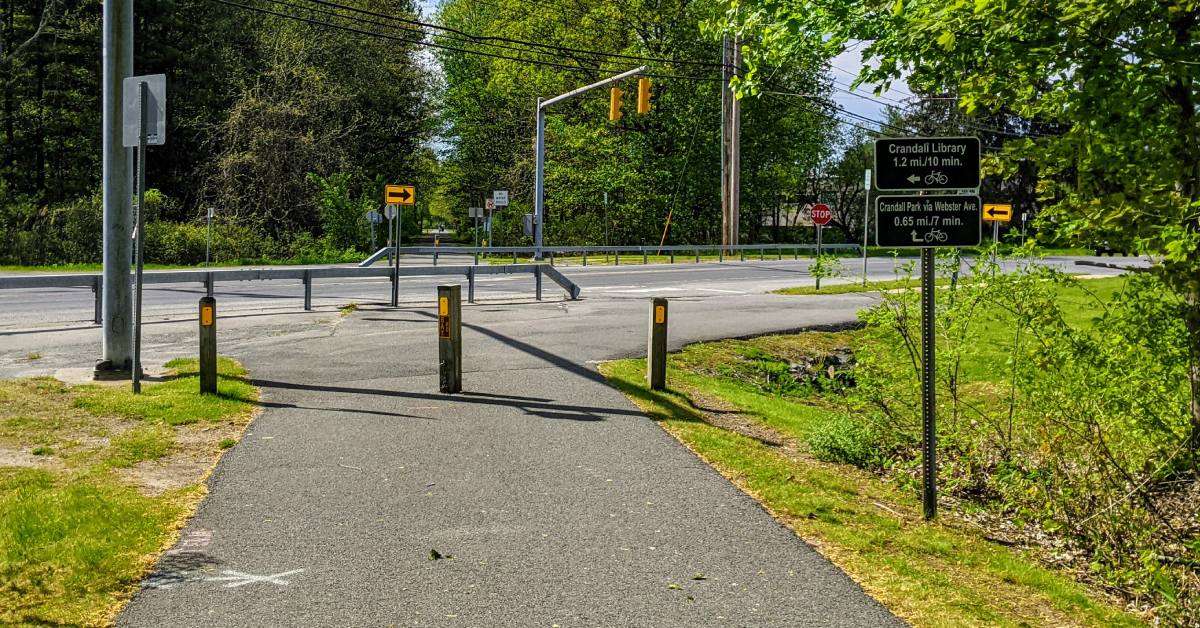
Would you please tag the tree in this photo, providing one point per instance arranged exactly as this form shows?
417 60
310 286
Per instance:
660 172
1107 91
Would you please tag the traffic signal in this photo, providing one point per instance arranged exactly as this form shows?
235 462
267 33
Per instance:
644 95
614 104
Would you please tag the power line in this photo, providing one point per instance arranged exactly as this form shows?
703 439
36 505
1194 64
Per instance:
402 39
483 39
422 42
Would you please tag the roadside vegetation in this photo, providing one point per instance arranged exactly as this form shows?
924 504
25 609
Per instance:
95 482
1068 482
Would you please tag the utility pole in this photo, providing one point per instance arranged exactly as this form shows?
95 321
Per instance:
539 212
116 303
731 130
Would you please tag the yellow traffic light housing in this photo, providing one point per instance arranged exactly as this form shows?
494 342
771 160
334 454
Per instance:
614 104
643 95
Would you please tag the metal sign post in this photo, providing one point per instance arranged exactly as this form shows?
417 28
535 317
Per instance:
208 244
866 218
373 218
821 215
539 212
928 222
392 212
145 123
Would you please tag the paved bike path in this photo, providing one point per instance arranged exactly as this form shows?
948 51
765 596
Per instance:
549 497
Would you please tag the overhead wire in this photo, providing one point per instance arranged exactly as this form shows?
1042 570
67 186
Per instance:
423 42
484 39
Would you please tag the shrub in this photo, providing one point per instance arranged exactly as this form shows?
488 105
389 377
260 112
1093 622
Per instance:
847 441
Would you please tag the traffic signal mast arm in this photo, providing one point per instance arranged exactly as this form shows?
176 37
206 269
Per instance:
538 210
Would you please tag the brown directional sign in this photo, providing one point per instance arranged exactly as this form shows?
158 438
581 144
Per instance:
905 164
927 221
997 212
400 195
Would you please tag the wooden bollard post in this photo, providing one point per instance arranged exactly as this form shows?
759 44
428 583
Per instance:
208 346
449 339
656 345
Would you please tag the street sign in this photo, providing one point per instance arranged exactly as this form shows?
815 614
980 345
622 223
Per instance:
474 212
926 163
390 211
400 195
156 110
527 224
374 217
500 198
489 204
867 179
997 212
821 214
928 221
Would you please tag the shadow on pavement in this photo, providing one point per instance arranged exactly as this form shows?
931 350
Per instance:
536 408
541 354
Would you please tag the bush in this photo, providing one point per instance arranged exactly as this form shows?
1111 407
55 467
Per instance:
847 441
174 243
1066 409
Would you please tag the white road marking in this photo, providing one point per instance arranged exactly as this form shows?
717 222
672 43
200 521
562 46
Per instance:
237 578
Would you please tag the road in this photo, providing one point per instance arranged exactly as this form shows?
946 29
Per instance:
560 503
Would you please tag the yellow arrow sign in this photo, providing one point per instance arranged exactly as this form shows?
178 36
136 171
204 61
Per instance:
400 195
997 212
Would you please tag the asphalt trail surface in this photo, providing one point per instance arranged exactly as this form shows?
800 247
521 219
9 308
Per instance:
550 499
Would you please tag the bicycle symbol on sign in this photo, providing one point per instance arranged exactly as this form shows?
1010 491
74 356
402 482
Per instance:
936 235
936 177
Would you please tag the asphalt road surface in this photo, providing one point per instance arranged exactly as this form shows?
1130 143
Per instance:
559 503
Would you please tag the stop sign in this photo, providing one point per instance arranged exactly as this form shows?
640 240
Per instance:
821 214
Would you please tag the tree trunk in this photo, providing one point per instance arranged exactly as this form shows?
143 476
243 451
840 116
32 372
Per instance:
1193 327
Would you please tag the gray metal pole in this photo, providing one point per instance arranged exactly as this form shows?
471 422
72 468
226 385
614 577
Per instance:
140 234
736 151
116 301
928 389
396 263
818 260
866 219
725 135
539 214
208 243
539 182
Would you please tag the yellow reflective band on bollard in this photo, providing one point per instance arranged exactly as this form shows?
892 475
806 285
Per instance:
660 315
206 316
443 306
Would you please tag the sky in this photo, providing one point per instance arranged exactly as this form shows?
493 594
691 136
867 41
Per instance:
863 100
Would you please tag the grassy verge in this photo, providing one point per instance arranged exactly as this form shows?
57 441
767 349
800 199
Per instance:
931 574
744 407
857 286
95 483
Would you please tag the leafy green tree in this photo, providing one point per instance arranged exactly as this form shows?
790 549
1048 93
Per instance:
1107 89
661 171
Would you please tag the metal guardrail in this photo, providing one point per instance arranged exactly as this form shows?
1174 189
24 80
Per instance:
549 252
209 278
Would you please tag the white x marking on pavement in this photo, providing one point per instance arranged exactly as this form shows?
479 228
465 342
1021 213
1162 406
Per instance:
237 578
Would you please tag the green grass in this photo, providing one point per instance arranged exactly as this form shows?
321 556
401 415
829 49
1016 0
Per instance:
930 574
174 402
76 537
858 286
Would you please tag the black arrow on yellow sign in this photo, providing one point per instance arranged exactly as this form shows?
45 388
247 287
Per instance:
400 195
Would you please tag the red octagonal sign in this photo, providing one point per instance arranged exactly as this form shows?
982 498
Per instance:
821 214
